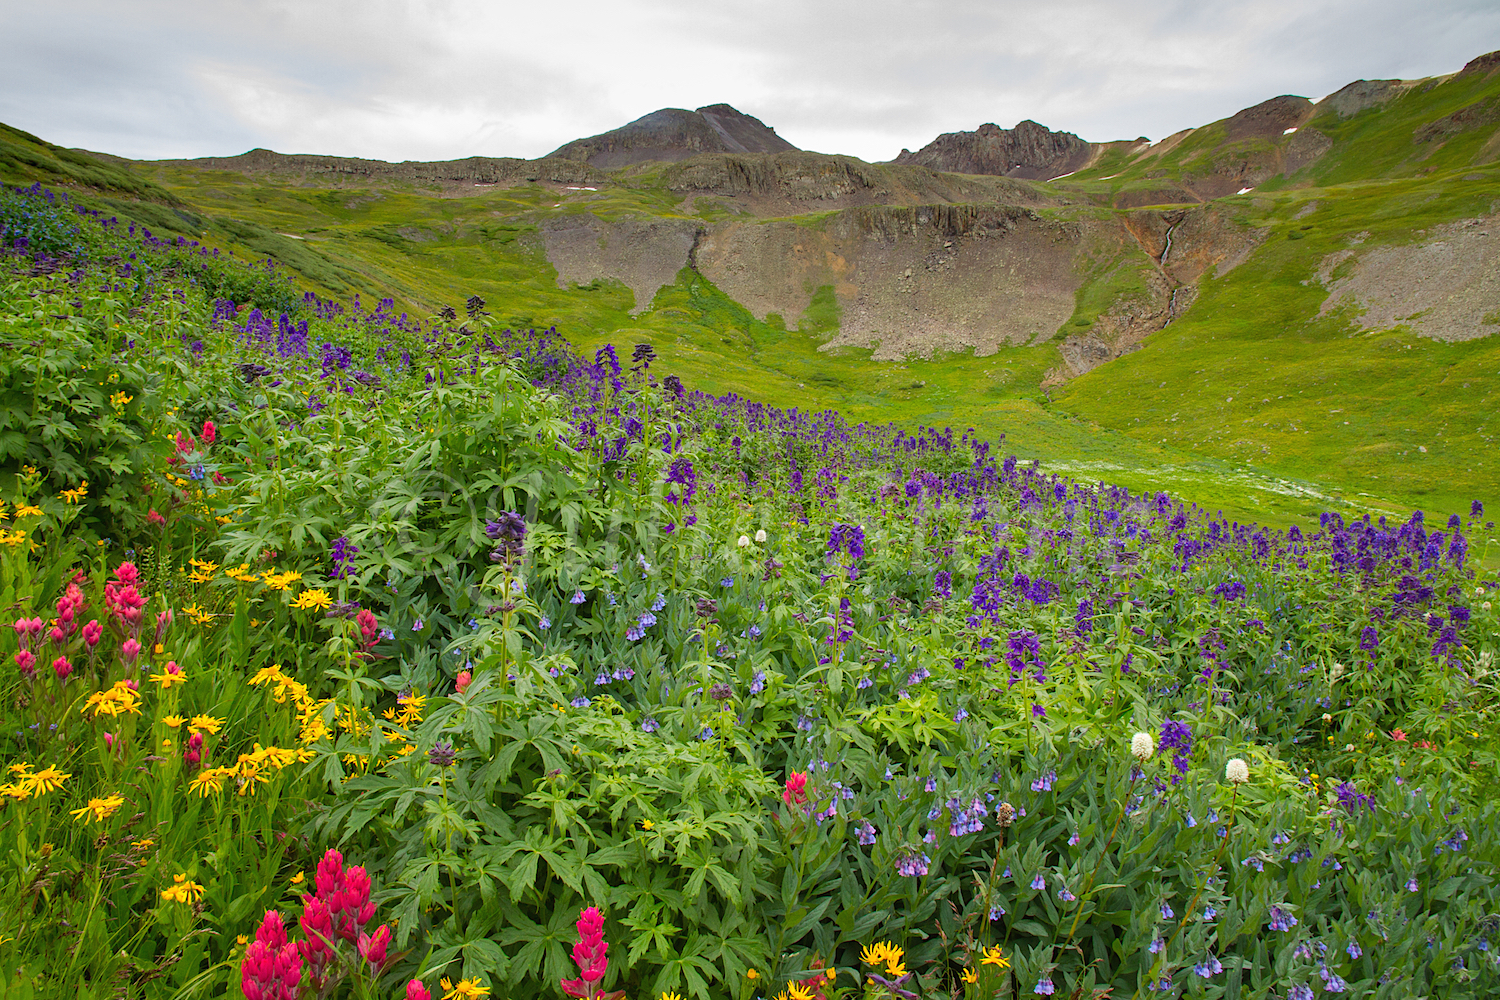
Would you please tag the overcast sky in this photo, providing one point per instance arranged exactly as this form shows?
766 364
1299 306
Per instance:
438 79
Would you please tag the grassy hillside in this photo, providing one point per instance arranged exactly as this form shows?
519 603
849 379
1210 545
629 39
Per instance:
1253 400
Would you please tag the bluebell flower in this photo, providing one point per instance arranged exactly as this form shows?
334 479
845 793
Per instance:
758 682
865 833
1044 986
580 702
997 911
417 625
1038 883
577 597
544 623
659 603
650 725
1166 911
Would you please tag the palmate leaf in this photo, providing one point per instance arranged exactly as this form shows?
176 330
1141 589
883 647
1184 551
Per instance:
543 947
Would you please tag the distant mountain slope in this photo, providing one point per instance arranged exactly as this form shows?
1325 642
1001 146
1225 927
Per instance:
1028 151
675 134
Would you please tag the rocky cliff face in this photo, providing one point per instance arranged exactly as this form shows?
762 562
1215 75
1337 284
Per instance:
1029 151
673 134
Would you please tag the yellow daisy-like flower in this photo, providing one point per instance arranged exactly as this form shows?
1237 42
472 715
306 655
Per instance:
27 510
119 699
797 991
298 878
207 724
76 495
49 779
14 790
312 599
12 538
647 824
98 810
173 721
168 680
182 890
119 400
20 769
464 989
210 780
751 975
142 844
197 614
670 996
969 976
992 956
873 954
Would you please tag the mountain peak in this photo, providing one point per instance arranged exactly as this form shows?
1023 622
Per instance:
672 134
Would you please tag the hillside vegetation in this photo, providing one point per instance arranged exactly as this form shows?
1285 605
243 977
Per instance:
1322 339
355 655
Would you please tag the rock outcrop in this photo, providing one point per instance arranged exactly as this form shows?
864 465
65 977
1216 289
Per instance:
1028 151
673 134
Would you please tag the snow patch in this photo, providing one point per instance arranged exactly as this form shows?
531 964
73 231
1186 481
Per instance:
1290 130
292 236
1244 190
575 188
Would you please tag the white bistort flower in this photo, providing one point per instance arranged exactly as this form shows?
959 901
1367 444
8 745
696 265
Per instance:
1142 746
1237 772
744 542
760 536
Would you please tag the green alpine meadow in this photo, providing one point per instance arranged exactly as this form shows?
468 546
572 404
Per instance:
689 567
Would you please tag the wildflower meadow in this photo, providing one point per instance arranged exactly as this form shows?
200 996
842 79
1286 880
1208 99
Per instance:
359 654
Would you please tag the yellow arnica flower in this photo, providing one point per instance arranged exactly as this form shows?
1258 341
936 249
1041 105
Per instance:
182 890
992 956
117 700
76 495
206 723
210 780
797 991
169 678
197 614
670 996
752 975
298 878
464 989
48 779
646 824
969 976
98 810
27 510
874 954
312 600
173 721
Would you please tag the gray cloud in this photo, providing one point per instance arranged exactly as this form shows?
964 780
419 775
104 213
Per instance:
422 79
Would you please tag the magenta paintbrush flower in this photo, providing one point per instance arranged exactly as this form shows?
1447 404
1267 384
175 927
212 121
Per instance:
589 954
